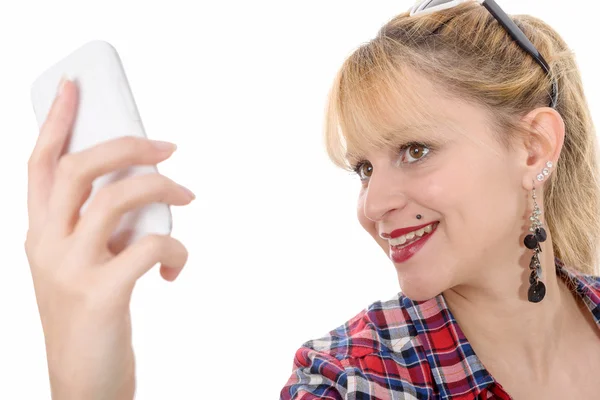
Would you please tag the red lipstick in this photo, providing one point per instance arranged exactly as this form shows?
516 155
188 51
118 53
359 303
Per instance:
400 254
402 231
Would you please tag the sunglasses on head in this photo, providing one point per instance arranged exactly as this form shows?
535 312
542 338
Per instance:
429 6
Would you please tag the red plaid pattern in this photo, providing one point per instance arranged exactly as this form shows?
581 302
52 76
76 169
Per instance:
403 349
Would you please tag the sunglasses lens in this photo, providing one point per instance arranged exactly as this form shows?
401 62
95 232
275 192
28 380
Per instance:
428 6
433 3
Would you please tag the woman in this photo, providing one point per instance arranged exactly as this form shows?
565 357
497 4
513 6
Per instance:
447 123
480 180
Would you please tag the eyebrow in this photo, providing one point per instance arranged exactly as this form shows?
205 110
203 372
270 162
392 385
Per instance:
409 130
404 133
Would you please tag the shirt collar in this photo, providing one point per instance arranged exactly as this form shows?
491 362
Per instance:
455 367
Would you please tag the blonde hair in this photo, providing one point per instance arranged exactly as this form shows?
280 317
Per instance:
464 52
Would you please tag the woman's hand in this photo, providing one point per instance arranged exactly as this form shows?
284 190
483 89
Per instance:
83 286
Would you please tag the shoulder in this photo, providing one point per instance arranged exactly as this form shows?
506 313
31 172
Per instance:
376 351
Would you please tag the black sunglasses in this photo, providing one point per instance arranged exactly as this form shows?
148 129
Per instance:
429 6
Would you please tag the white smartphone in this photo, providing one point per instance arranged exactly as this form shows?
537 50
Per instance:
106 111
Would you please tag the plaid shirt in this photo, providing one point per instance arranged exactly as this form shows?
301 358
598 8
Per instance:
403 349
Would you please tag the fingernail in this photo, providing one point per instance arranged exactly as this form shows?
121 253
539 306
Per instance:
61 85
188 192
164 146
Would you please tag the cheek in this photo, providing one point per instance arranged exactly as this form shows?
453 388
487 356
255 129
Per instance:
477 213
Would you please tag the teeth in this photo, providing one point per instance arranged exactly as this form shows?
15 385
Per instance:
411 235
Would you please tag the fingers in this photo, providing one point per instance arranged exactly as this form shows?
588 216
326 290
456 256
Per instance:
49 146
104 213
138 258
77 171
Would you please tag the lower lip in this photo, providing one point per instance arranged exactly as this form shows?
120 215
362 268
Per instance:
400 255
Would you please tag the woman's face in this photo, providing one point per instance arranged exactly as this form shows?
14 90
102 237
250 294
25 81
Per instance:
462 180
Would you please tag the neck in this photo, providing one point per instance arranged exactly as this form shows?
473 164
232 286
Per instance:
503 327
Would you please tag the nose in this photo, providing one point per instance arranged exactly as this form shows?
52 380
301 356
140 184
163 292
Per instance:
384 194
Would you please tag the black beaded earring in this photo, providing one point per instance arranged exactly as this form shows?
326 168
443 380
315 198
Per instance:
537 289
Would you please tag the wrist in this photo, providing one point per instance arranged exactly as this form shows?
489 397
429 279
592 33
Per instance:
72 390
73 384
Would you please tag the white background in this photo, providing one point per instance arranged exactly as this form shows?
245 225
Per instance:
277 256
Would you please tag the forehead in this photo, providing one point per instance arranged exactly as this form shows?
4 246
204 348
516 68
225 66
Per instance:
408 107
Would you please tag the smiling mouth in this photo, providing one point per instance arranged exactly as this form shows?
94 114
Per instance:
412 237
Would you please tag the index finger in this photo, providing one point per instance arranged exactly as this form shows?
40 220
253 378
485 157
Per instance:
48 149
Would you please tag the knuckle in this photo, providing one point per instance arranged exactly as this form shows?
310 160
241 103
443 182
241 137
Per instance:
129 143
30 253
161 182
153 186
34 160
183 252
126 193
37 160
35 251
68 167
161 186
28 247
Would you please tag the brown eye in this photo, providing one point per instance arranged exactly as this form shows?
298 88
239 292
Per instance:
416 151
364 170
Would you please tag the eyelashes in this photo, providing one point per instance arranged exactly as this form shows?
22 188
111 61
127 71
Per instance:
364 174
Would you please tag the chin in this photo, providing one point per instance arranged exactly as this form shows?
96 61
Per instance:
419 286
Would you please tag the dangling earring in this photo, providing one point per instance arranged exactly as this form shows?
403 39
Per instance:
537 289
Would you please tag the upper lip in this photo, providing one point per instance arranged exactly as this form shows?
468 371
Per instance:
399 232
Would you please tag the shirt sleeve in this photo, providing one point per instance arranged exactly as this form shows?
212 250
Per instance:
315 375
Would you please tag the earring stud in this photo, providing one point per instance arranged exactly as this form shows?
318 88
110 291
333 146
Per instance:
545 172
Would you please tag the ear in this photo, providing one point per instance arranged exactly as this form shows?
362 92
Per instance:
543 144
